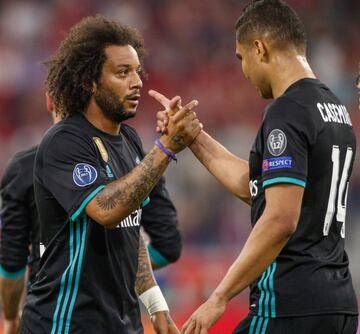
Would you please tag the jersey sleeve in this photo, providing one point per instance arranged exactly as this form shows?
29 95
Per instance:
159 219
288 132
15 221
69 167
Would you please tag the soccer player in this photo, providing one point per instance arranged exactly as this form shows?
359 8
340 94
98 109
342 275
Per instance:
91 187
296 181
19 238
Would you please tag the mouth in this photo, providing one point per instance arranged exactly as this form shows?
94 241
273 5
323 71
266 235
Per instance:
133 99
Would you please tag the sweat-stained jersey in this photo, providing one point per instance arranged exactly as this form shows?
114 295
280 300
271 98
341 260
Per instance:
19 238
306 139
87 273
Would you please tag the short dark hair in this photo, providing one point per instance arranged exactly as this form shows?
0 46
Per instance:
273 17
79 60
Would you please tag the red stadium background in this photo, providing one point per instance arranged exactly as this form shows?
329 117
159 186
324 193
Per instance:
191 48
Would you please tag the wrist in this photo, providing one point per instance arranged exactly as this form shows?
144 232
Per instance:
163 147
196 140
154 300
219 298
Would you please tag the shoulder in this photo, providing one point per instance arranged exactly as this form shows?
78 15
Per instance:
22 163
66 135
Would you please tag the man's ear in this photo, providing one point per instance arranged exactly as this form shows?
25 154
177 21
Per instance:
90 88
261 50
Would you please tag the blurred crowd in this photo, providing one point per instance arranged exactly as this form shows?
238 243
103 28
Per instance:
191 52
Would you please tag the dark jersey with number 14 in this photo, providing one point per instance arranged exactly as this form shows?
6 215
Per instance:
306 139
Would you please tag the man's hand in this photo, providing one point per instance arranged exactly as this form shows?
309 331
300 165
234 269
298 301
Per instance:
163 324
204 317
179 124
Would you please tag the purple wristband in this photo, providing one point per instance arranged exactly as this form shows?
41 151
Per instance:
171 155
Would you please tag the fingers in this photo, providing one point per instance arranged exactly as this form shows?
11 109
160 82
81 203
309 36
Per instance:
185 110
160 98
174 105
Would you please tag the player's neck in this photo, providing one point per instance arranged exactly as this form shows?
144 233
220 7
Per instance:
96 117
288 71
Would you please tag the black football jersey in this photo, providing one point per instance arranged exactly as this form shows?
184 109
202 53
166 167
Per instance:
307 139
87 272
19 237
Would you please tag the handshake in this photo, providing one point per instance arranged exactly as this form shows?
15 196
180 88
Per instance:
178 125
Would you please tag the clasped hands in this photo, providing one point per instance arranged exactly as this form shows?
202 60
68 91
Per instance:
179 126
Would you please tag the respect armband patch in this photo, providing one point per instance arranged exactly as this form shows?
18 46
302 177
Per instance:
277 163
84 174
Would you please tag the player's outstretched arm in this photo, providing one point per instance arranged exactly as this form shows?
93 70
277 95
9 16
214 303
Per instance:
121 197
231 171
268 237
150 294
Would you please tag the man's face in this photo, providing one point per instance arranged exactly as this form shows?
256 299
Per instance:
118 91
254 69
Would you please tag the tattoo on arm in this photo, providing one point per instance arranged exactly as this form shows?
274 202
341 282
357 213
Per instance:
131 189
144 277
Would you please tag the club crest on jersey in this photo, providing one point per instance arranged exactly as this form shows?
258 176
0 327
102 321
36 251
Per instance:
84 174
276 142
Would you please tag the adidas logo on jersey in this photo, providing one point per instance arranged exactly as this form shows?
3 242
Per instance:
131 220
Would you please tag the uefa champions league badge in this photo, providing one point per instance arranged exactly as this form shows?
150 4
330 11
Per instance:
276 142
84 174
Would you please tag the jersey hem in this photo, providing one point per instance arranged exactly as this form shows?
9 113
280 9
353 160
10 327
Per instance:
81 208
290 180
11 275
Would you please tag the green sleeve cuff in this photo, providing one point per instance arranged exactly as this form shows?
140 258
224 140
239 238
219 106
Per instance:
290 180
156 257
80 210
11 275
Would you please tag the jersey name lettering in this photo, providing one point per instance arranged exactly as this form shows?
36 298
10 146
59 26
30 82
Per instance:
132 220
336 113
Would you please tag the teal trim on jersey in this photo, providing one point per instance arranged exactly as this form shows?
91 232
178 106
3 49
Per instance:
11 275
266 320
252 325
258 327
80 210
267 302
261 324
156 257
63 278
284 180
272 291
146 202
263 279
77 278
70 278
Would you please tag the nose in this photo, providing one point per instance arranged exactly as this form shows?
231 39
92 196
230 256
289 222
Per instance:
136 82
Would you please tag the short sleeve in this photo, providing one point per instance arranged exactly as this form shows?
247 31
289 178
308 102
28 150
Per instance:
288 133
68 166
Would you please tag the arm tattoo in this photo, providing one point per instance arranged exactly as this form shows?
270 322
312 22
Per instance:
144 277
131 189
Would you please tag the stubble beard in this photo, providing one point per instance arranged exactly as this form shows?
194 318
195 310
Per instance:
109 103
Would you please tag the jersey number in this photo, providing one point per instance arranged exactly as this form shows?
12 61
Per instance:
338 190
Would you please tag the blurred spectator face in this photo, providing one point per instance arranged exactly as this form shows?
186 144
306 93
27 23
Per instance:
118 91
251 57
